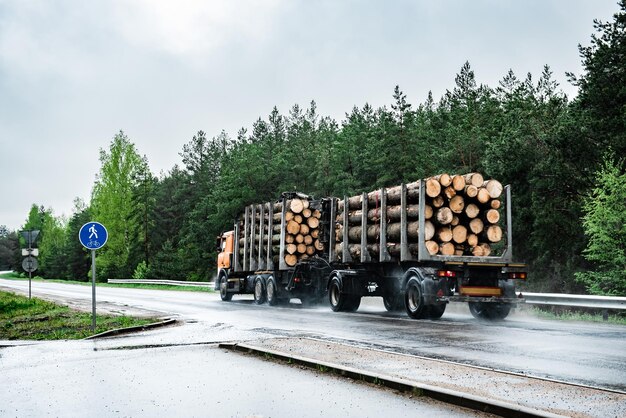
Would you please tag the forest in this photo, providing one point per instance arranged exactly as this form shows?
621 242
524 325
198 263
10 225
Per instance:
564 160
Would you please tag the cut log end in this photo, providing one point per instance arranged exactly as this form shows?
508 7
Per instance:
433 187
291 260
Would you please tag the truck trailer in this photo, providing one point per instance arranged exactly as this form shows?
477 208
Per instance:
260 257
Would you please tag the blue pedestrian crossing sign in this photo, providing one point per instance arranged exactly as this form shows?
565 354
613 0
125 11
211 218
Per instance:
93 235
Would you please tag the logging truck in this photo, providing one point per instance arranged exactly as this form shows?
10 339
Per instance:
419 246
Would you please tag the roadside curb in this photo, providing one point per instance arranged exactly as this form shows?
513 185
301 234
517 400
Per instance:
120 331
441 394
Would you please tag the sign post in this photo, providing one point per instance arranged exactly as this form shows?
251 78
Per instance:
29 264
93 235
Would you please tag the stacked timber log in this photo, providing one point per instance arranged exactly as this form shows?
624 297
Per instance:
302 233
301 230
461 217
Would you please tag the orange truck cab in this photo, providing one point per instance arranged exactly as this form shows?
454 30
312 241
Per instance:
225 247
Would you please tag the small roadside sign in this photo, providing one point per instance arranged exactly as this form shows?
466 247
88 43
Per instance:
30 264
30 251
93 235
30 236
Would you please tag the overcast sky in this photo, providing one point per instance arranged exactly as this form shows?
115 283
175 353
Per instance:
73 73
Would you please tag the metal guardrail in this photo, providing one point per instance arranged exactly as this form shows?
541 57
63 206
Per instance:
163 282
580 301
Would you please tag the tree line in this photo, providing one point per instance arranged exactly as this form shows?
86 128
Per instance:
563 158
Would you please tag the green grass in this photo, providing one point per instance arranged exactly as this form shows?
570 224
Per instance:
569 315
17 276
36 319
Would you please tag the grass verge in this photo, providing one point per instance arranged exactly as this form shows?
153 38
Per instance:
573 315
36 319
16 276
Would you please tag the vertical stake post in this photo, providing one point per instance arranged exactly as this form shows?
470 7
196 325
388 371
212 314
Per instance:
93 290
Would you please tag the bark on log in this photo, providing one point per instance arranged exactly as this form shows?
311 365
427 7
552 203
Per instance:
394 193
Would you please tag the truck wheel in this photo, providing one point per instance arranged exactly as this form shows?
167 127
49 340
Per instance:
393 303
491 311
223 280
436 311
353 303
271 292
259 291
336 299
414 299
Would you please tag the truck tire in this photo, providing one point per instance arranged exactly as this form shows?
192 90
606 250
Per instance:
436 311
490 311
393 303
259 291
414 299
341 302
271 292
354 302
223 282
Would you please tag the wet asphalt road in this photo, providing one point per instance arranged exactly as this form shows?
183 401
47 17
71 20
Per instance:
583 353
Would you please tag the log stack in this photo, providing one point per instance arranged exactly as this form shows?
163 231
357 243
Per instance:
462 217
302 233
